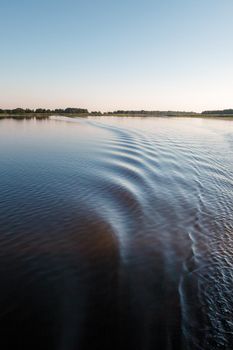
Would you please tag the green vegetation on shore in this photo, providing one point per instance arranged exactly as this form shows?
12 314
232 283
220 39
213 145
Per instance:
42 113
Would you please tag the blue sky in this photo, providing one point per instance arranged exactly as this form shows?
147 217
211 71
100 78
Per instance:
125 54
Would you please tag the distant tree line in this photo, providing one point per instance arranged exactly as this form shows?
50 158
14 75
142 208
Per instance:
140 112
221 112
43 110
171 113
23 111
77 111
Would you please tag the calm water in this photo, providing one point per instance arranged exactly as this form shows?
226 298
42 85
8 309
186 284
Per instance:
116 233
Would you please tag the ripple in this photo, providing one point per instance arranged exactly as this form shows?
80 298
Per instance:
116 233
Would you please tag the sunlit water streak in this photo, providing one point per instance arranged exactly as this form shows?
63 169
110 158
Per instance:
116 233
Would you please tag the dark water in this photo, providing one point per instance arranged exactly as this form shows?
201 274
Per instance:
116 233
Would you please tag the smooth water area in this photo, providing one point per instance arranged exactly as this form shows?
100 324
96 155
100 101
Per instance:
116 233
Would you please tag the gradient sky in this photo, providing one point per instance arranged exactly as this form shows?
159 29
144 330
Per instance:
116 54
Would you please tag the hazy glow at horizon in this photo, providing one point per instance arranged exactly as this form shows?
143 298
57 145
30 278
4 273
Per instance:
125 54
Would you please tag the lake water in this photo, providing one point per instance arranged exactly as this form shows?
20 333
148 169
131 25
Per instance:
116 233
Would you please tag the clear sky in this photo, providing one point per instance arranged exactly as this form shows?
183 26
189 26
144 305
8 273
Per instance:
116 54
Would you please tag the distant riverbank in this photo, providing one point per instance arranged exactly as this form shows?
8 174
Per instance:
41 115
172 115
74 112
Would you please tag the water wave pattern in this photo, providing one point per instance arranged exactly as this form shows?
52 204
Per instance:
116 233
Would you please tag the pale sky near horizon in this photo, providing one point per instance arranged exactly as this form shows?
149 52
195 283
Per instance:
121 54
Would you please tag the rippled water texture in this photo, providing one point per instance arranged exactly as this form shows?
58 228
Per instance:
116 233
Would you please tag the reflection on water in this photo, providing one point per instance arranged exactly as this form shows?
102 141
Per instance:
116 233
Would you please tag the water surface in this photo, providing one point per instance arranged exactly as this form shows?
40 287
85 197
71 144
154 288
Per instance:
116 233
